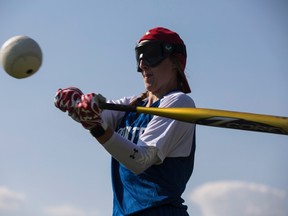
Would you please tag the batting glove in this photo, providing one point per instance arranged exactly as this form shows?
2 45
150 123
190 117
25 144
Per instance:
89 112
66 100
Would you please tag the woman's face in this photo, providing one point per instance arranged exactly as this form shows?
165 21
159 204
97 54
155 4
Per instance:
160 79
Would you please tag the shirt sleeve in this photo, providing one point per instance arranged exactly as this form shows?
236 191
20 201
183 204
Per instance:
112 117
171 137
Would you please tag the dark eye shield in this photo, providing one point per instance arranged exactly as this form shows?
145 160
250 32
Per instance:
153 53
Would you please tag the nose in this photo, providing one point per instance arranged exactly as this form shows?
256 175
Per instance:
143 65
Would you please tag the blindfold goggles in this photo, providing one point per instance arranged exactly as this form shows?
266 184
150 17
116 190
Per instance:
153 53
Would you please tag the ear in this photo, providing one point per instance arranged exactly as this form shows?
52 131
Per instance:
176 67
175 63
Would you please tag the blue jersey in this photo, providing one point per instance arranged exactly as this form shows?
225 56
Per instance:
156 190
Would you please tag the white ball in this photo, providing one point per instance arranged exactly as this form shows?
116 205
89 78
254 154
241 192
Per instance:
21 56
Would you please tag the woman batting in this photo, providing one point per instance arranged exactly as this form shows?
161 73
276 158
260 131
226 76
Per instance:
152 156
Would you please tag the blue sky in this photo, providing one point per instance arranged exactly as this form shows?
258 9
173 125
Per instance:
237 60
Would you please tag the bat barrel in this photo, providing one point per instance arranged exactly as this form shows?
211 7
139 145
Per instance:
224 119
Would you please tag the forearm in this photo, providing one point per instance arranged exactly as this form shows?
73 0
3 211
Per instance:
135 158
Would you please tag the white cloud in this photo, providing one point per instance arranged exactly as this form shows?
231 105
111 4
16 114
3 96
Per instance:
236 198
10 200
67 210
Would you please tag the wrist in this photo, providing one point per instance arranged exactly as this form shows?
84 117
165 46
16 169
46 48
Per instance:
99 130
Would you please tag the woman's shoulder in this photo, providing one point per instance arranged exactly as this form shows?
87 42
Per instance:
177 99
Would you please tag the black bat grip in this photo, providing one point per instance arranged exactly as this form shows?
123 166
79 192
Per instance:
117 107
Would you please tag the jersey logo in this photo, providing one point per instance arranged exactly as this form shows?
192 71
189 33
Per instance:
133 156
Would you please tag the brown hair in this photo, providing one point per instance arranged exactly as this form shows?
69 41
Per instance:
139 99
175 60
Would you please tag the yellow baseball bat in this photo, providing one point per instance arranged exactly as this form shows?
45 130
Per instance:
213 117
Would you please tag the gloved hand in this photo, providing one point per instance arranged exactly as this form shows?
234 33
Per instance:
89 112
66 100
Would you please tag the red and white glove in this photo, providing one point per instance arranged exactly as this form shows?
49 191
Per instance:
66 100
89 112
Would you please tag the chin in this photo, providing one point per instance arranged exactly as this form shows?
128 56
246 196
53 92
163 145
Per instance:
149 88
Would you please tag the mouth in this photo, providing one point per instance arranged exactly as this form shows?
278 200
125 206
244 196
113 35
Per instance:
147 74
147 78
